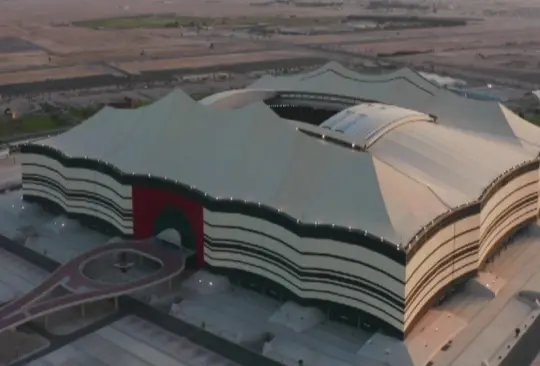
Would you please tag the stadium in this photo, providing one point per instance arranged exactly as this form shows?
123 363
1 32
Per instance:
363 195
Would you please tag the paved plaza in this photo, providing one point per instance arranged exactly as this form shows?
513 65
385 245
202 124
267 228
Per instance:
17 276
132 341
492 322
482 317
82 289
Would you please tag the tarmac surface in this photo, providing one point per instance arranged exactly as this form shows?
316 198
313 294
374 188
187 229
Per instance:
84 290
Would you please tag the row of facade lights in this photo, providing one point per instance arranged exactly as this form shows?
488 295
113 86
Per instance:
192 187
501 176
497 179
423 229
353 145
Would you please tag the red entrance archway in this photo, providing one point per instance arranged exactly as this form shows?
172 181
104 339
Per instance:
150 203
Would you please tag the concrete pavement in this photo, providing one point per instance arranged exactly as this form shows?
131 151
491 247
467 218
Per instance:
29 306
479 335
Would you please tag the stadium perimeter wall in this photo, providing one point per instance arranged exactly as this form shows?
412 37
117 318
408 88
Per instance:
458 244
353 277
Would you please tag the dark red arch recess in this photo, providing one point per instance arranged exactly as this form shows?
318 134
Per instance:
149 203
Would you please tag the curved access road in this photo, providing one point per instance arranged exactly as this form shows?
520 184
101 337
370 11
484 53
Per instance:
83 289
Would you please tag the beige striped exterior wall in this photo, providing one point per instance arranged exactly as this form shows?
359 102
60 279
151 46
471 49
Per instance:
78 180
515 203
538 187
309 255
511 193
449 240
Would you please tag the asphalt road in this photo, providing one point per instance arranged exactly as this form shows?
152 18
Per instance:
97 81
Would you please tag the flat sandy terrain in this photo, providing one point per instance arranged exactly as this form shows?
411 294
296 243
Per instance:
39 44
36 11
205 61
49 74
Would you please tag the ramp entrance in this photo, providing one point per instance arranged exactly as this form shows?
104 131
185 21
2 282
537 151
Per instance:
174 231
172 239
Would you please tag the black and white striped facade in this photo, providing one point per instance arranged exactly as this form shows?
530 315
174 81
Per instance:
79 190
317 264
307 266
311 268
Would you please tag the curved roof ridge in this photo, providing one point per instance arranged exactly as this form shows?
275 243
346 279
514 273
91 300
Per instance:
260 109
339 68
352 75
407 212
405 88
380 133
371 121
477 117
442 164
488 137
161 112
172 114
181 106
334 67
416 180
457 163
418 75
177 95
233 145
528 133
236 98
336 70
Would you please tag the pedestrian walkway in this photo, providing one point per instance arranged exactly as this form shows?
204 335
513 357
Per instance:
476 342
132 341
32 304
17 276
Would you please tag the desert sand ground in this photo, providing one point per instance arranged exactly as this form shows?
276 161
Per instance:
36 44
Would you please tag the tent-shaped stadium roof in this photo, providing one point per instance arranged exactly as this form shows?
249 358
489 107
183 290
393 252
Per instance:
408 89
370 121
248 153
245 154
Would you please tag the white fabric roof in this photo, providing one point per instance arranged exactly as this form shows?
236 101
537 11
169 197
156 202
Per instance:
445 164
454 165
404 88
249 153
370 121
528 133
